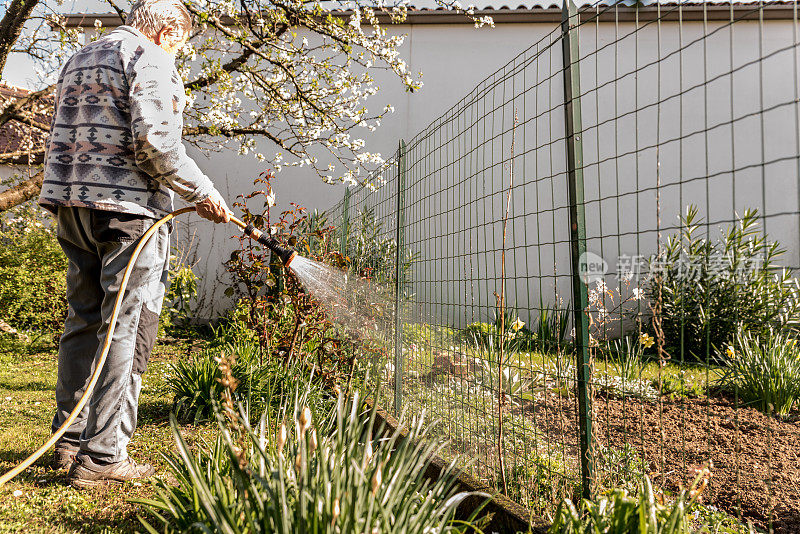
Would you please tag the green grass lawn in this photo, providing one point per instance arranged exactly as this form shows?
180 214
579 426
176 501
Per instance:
39 500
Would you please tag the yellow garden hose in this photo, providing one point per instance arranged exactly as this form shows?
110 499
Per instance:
285 254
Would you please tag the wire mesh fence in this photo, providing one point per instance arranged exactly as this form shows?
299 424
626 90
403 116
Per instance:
594 253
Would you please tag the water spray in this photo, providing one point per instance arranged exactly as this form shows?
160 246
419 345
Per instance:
286 255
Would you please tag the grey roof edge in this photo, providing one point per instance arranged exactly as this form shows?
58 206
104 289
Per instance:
605 12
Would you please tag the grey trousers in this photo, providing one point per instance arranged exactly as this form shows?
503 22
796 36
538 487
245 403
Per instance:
98 245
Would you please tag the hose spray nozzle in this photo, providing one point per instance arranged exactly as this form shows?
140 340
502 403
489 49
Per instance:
286 254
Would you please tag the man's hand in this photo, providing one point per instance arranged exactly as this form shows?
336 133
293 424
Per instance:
214 209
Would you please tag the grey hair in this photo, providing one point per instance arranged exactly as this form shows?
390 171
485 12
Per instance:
152 16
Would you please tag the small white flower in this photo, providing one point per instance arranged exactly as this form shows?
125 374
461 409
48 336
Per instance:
637 293
17 493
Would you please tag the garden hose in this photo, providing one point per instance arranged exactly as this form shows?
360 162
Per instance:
285 254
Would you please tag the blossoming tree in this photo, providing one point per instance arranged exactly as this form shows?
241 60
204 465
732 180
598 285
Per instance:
297 73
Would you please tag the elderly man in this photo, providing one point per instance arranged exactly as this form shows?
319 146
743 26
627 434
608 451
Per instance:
114 159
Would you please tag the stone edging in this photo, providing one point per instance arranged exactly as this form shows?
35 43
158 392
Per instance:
507 515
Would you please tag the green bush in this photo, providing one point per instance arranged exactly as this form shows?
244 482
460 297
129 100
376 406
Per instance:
182 291
487 335
620 513
678 386
625 357
550 330
301 471
711 288
32 271
618 467
196 384
480 334
764 374
426 335
548 333
372 251
542 481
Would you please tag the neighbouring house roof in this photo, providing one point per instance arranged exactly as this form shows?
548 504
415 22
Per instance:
425 12
22 139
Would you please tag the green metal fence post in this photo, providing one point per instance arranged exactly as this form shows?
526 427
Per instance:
345 222
572 109
398 282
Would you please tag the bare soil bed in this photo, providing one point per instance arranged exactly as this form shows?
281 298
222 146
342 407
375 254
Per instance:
756 458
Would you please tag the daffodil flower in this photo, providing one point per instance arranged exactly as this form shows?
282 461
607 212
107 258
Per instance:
646 340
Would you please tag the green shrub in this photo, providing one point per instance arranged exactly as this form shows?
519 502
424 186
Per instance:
618 467
620 513
764 374
196 382
550 330
32 271
306 472
541 482
678 386
717 521
234 327
625 357
710 288
182 291
487 335
426 335
479 334
548 333
515 385
371 251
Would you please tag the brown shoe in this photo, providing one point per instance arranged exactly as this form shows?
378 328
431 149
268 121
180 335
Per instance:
85 473
63 456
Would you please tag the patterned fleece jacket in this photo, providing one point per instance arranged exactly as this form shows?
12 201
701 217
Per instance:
115 141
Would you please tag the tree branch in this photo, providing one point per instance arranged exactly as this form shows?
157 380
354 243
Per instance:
233 65
17 14
22 157
19 117
228 67
119 10
21 193
235 132
11 111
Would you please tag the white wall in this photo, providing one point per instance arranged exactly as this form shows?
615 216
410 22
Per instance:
723 114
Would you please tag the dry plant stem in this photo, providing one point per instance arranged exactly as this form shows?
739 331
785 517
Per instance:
229 383
299 319
21 193
502 311
663 356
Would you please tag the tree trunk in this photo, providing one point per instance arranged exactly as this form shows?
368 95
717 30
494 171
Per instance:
21 193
